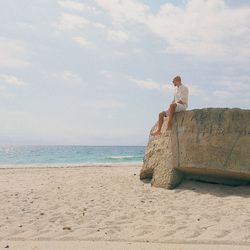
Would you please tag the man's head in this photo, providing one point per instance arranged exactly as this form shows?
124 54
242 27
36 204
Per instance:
177 81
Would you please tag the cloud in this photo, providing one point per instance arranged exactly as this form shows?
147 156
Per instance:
11 80
77 6
147 84
150 84
167 87
13 54
124 10
234 86
203 29
83 42
208 30
67 76
99 25
106 73
2 88
70 76
25 124
103 104
72 5
26 26
194 90
117 36
240 84
222 93
71 22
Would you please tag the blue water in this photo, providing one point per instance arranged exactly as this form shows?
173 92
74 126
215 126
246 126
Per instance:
69 155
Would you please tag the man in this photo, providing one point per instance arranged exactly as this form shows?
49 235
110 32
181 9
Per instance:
179 103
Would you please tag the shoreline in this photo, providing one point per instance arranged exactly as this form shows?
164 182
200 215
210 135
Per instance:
70 165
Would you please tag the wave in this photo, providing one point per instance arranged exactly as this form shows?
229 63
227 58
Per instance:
120 157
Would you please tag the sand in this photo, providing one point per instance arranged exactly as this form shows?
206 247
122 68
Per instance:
109 205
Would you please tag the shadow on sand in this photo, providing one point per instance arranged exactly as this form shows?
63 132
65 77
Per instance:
219 190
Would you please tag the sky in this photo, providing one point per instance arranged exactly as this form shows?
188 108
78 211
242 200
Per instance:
99 72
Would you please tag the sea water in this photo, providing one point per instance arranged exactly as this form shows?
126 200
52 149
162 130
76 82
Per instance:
19 156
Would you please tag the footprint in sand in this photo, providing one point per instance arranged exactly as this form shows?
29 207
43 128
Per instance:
169 233
222 234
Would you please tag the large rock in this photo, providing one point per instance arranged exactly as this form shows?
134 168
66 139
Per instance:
205 144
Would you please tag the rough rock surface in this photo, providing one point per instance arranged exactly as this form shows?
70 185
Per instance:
210 144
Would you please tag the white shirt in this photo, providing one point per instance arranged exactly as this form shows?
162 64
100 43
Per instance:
181 94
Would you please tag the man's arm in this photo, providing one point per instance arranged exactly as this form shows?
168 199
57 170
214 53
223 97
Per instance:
184 96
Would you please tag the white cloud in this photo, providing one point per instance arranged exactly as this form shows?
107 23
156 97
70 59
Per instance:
150 84
83 42
194 90
103 104
12 80
209 30
117 36
26 26
167 87
72 5
147 84
67 76
2 88
99 25
13 54
77 6
203 29
235 86
106 73
71 22
124 10
119 53
25 124
240 84
222 93
70 76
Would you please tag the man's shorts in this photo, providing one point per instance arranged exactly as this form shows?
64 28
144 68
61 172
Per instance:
179 107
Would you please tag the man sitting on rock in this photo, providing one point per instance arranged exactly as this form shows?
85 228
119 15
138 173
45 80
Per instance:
179 103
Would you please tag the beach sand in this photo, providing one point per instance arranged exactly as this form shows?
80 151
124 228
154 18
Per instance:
47 208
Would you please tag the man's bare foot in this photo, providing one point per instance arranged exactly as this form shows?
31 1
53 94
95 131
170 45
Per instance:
156 133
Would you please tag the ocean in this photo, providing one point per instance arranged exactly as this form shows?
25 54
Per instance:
38 156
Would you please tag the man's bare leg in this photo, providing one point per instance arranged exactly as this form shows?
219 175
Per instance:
160 122
171 114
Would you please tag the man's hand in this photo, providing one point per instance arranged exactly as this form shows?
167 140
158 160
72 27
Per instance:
181 102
